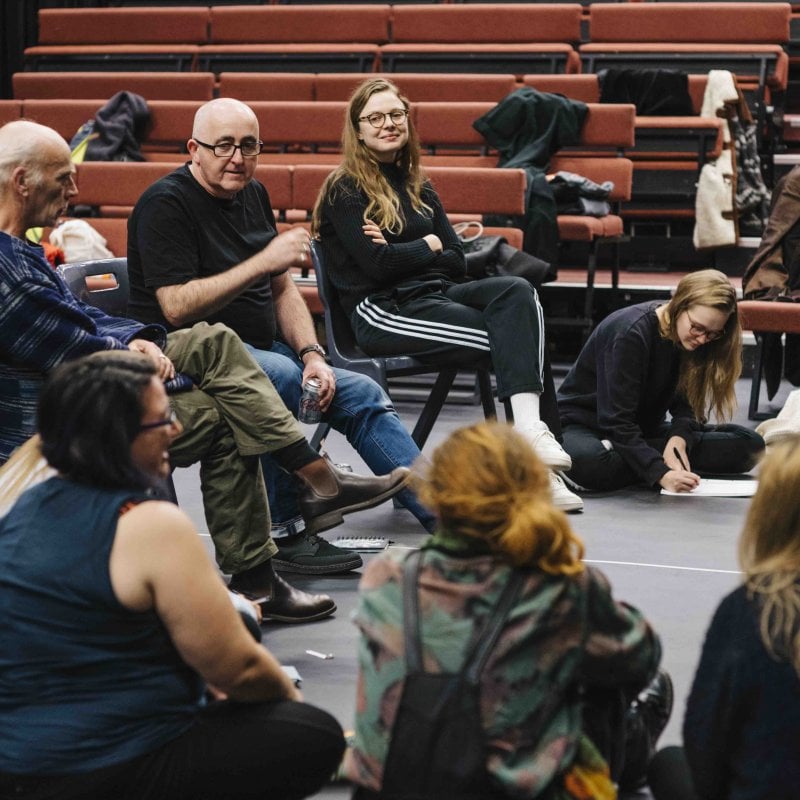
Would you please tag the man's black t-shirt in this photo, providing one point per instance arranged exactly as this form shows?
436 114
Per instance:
178 232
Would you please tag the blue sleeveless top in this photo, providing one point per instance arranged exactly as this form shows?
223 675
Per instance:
84 682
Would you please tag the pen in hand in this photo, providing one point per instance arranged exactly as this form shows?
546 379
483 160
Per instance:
679 457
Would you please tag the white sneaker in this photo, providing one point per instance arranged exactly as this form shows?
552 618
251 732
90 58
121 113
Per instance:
547 447
563 498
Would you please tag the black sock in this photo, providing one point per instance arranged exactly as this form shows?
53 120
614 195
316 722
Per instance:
295 456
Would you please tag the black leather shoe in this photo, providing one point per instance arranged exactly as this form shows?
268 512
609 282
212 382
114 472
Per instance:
655 705
312 555
645 722
355 493
279 601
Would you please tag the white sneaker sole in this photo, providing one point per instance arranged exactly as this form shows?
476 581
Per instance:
555 461
569 505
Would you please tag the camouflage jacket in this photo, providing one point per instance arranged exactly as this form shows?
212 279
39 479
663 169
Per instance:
459 585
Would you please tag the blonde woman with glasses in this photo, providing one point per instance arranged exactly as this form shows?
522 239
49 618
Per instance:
635 405
399 271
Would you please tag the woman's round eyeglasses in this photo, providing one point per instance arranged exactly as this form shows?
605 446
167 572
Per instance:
700 330
378 119
249 148
171 419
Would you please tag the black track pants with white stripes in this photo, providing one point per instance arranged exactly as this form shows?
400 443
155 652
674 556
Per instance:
495 322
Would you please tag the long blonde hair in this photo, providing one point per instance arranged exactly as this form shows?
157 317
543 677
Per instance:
26 467
708 374
769 551
486 482
360 165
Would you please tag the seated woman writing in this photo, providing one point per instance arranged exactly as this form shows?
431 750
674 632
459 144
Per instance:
563 640
400 274
644 362
115 621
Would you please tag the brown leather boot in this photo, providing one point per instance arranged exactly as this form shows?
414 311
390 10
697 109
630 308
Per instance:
282 602
330 493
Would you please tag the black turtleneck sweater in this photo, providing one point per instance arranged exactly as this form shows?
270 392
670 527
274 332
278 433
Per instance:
358 267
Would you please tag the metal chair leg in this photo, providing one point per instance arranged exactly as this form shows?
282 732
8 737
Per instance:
319 435
433 406
755 385
485 389
588 303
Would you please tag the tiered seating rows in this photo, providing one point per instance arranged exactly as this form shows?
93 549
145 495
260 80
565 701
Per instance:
307 86
301 132
340 38
673 147
114 187
669 151
517 38
295 132
688 139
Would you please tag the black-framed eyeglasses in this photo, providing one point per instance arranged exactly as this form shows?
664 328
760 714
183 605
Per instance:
171 419
249 148
700 330
378 119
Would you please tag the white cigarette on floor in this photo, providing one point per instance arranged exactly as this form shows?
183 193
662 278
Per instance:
317 654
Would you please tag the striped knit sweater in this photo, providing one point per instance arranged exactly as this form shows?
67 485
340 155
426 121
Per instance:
42 325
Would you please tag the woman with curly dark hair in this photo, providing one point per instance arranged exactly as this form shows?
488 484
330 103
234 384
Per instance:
115 622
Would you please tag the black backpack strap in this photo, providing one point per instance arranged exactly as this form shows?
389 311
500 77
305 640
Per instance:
411 633
485 642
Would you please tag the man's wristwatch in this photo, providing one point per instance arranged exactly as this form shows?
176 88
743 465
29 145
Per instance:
313 348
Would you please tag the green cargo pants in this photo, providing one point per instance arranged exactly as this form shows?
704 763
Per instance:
232 416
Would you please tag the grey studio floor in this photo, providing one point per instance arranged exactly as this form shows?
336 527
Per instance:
674 558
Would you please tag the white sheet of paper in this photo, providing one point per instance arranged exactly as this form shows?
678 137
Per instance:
717 487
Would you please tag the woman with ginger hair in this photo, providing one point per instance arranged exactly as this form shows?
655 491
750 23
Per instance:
635 404
497 520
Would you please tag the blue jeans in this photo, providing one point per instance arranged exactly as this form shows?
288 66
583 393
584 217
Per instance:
360 410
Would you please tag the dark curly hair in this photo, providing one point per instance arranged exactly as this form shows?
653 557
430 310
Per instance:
90 411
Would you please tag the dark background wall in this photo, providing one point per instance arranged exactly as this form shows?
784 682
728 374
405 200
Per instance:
19 29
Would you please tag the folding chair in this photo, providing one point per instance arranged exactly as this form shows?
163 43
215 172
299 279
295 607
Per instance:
346 354
104 283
